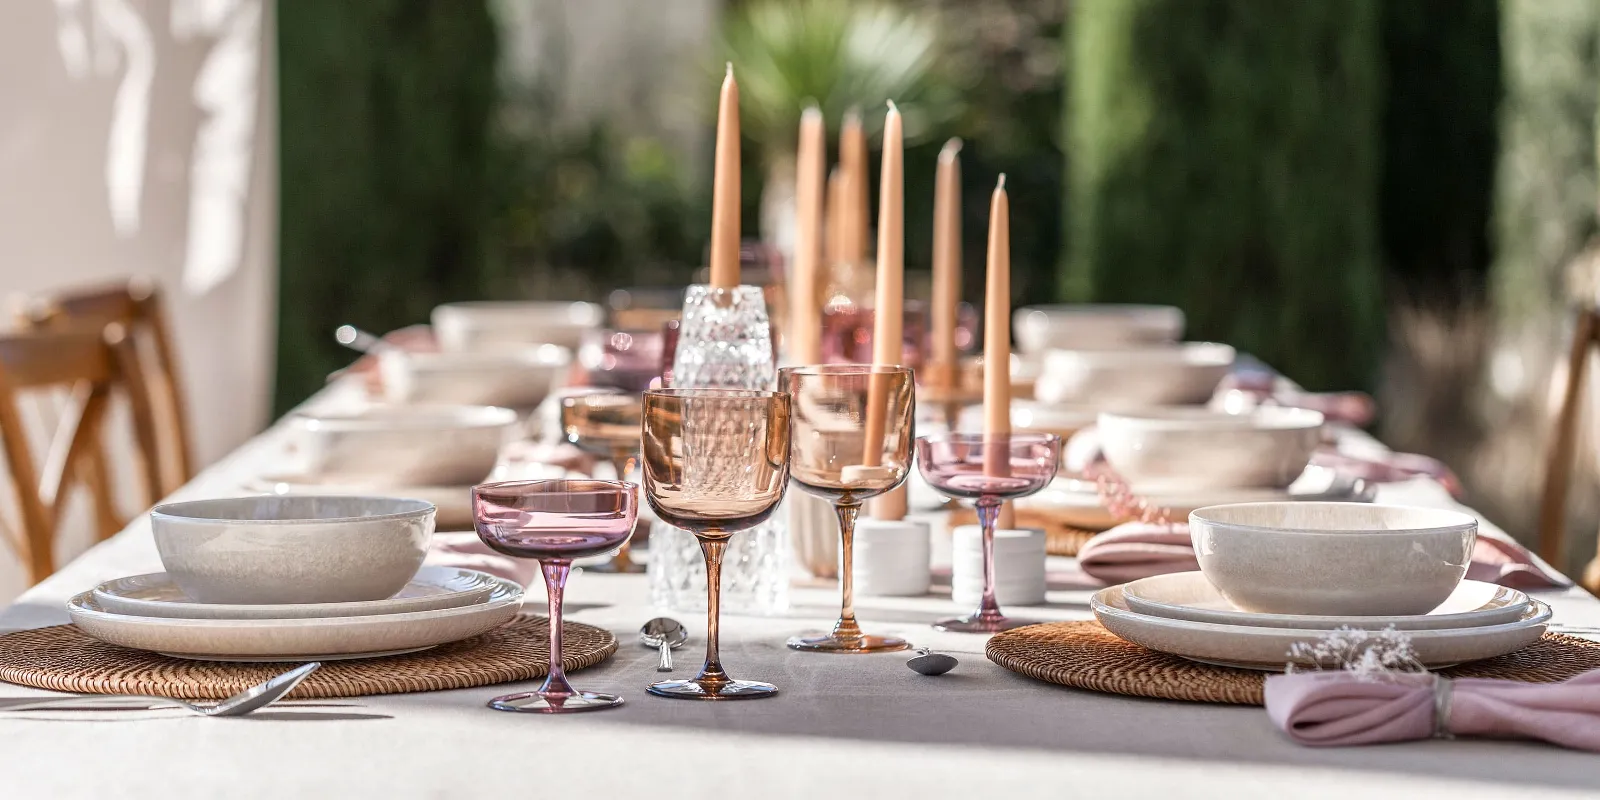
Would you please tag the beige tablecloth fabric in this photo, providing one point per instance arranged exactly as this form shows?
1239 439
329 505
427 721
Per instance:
842 727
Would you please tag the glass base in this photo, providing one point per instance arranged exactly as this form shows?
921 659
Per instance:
981 623
829 643
535 703
699 689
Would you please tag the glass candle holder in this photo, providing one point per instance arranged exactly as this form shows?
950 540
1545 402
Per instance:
606 423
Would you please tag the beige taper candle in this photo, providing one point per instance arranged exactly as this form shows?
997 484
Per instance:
725 189
997 342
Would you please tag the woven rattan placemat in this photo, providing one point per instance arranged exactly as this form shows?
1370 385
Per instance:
1085 655
64 659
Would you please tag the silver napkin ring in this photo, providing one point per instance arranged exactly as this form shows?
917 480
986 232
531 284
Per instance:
1443 694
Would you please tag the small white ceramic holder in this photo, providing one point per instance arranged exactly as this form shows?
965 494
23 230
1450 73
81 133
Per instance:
1018 566
891 557
813 532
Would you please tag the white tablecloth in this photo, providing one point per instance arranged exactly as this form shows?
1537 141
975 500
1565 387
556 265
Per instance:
843 726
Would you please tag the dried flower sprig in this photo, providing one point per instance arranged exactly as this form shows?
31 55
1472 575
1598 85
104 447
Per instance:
1369 655
1120 499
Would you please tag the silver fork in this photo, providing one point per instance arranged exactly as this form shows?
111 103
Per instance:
256 697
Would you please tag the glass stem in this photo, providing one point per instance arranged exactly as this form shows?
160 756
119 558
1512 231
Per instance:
622 464
712 671
846 628
988 514
555 582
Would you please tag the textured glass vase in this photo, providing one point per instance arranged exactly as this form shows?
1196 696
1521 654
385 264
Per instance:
724 342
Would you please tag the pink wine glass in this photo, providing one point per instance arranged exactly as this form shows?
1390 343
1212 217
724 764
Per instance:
987 470
555 522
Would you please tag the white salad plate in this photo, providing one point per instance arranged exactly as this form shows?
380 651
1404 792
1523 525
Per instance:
454 503
1253 647
1189 596
316 639
1076 502
158 595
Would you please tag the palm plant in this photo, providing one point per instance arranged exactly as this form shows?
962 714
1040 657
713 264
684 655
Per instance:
838 55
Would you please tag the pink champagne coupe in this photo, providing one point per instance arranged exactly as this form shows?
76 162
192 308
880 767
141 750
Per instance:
555 521
987 470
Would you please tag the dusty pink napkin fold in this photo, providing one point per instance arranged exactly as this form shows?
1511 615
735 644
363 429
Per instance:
1335 708
467 551
1137 550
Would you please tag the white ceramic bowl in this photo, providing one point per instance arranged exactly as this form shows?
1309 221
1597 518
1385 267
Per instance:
1094 326
1344 559
1157 375
519 379
276 549
493 325
1183 449
1031 416
404 445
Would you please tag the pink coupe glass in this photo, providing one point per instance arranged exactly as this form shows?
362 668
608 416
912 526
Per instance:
987 470
555 522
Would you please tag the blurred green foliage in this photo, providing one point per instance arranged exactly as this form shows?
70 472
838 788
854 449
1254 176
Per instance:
1226 158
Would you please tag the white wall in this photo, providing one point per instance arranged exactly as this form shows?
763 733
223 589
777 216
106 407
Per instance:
139 137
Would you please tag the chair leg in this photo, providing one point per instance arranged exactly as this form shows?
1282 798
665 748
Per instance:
1563 440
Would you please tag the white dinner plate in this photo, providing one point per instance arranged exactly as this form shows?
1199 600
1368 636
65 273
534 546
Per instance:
454 503
1076 502
1251 647
321 639
157 595
1189 596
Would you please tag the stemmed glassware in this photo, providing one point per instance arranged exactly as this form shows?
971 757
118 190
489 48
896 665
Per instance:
716 462
606 423
988 470
555 521
850 441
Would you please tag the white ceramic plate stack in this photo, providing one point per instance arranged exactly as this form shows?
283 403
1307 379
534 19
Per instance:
294 579
1277 574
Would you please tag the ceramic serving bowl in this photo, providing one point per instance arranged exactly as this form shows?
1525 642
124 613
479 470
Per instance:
516 379
1154 375
288 549
404 445
1094 326
1182 449
1348 559
494 325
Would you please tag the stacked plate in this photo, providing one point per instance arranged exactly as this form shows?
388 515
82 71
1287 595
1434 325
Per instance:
438 606
1183 614
1077 502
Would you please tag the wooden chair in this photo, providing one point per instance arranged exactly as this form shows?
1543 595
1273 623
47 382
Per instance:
136 306
88 364
1561 449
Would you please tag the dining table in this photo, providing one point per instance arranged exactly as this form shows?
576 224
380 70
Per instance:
841 725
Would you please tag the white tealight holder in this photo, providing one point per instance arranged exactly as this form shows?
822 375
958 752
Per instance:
891 557
1019 557
813 532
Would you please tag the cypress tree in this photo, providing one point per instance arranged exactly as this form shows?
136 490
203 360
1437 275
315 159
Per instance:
1224 157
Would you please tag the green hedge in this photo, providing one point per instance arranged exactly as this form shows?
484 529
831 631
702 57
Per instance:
1225 158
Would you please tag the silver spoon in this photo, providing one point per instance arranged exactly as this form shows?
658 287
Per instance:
928 662
251 699
664 634
359 340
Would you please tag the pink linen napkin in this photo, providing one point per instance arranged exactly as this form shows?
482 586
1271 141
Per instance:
467 551
1137 550
1336 708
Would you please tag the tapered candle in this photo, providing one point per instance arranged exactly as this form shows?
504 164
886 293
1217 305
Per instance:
997 342
835 236
888 338
853 162
805 319
725 189
946 263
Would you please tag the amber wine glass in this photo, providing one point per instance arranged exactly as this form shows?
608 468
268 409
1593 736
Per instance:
850 440
716 462
605 422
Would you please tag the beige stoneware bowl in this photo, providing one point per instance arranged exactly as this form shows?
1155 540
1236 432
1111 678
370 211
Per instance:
288 549
1134 377
494 325
1184 449
1332 558
400 445
516 379
1094 326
